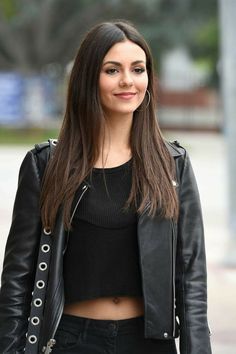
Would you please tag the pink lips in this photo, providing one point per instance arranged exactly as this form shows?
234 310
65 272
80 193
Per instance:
126 95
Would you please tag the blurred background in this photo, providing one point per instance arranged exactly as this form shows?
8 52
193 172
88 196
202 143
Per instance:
193 44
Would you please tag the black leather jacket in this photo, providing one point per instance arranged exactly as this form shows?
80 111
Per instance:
172 260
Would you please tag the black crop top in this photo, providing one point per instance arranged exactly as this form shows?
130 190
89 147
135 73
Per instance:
102 257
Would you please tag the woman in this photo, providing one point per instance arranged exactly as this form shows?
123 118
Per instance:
120 212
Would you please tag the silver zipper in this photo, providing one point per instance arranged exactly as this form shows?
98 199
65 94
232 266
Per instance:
84 189
52 341
48 348
142 277
141 266
55 327
173 273
173 265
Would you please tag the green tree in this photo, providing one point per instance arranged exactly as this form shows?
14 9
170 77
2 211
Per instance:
205 48
36 33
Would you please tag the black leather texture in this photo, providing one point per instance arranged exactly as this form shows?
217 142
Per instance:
172 260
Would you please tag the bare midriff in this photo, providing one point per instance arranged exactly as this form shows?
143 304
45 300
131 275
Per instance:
107 308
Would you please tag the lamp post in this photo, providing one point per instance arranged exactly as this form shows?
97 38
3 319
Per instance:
227 12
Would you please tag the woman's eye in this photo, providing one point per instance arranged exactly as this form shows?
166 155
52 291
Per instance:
139 70
111 71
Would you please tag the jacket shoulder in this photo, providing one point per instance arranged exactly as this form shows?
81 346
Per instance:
42 153
175 148
45 145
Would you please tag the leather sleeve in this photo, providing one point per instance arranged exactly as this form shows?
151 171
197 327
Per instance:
20 259
191 278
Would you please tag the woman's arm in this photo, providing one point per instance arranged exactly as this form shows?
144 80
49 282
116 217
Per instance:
191 278
20 259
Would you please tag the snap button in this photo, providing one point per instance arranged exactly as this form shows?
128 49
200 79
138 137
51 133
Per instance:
165 335
176 142
112 325
175 184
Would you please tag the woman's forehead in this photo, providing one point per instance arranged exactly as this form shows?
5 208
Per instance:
125 51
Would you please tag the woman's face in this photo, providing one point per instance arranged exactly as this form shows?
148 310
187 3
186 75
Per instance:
123 79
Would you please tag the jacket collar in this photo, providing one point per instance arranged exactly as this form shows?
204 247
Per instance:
175 149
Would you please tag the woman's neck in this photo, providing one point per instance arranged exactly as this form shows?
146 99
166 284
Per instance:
115 146
117 133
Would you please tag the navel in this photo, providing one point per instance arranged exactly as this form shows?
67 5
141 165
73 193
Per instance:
116 300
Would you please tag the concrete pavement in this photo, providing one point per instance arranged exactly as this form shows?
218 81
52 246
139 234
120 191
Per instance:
207 152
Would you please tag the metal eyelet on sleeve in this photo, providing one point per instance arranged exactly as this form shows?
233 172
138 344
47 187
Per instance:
35 320
43 266
39 293
40 284
38 302
45 248
54 142
32 339
47 231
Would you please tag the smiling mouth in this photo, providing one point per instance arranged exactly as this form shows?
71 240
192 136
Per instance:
125 95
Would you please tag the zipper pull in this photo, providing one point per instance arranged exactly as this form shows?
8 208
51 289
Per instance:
50 344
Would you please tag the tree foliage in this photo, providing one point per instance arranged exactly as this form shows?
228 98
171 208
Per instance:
36 33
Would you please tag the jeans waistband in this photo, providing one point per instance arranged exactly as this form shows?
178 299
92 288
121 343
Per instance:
106 327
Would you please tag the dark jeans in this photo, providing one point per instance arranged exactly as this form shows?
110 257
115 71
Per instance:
79 335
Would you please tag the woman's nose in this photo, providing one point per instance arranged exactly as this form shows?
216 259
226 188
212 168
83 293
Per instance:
126 80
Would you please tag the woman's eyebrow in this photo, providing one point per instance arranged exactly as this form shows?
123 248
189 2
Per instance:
119 64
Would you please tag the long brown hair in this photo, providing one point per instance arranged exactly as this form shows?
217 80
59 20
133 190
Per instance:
78 143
